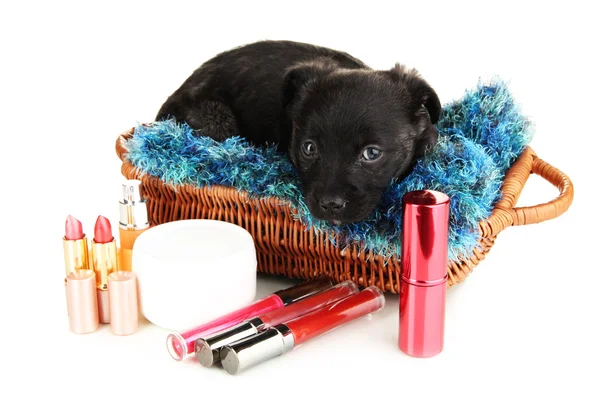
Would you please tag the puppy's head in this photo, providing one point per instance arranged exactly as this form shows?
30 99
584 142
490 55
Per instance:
355 132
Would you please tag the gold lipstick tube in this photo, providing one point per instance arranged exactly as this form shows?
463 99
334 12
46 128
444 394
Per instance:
104 260
76 255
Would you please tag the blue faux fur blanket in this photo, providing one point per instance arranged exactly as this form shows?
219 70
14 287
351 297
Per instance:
481 136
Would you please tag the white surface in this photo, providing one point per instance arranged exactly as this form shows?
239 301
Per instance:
183 266
523 325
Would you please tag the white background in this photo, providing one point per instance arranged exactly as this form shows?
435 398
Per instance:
74 76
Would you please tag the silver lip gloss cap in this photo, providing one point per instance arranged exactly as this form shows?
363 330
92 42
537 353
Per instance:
241 355
208 350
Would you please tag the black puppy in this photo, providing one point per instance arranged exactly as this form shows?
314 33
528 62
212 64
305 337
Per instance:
349 130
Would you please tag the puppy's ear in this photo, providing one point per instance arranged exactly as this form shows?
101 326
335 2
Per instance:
425 101
298 77
424 106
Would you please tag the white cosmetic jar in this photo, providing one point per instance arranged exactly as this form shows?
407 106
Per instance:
192 271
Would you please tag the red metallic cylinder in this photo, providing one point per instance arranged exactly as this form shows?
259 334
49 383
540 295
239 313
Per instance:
424 272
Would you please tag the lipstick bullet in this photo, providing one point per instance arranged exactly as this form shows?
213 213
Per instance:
424 273
104 260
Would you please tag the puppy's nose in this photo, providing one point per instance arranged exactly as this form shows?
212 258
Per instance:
332 204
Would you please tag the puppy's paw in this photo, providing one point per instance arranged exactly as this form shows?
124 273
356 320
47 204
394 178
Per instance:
213 119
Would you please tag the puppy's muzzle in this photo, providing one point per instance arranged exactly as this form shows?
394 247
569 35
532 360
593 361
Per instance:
332 205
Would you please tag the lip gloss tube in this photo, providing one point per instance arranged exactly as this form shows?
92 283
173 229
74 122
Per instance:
181 345
208 349
424 273
133 221
272 342
104 259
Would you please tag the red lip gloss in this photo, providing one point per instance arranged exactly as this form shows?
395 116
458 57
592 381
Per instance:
241 355
424 273
181 345
208 349
104 260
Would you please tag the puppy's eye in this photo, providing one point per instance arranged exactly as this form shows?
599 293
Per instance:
371 154
309 148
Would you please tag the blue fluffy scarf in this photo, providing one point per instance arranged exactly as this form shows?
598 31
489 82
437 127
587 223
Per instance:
481 136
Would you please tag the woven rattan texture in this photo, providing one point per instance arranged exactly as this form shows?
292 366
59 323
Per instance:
286 247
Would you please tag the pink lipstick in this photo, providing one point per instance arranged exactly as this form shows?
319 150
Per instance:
75 248
103 231
104 261
73 229
424 272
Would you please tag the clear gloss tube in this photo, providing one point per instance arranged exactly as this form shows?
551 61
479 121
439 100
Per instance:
181 345
282 338
207 349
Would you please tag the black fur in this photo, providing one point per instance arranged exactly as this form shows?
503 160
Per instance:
289 93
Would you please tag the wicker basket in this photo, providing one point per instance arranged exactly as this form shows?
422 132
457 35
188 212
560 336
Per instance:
284 247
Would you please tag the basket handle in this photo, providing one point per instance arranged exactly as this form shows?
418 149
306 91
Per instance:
515 181
120 148
552 209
